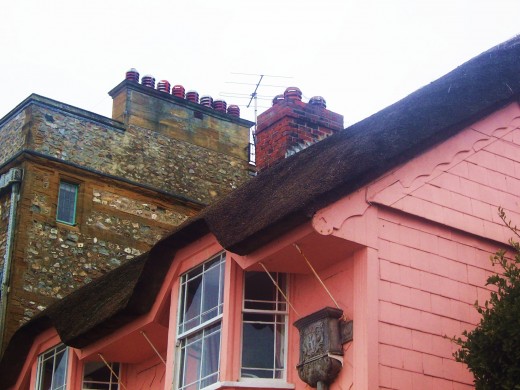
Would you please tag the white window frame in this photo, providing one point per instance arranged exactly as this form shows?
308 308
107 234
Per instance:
280 301
46 356
184 332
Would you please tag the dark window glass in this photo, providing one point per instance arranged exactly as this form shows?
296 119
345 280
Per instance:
67 199
201 294
263 326
96 375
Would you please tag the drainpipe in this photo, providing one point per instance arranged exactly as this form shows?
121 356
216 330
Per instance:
12 179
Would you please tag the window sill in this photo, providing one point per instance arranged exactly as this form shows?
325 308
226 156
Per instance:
266 384
66 225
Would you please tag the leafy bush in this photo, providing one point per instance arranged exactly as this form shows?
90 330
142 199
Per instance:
492 350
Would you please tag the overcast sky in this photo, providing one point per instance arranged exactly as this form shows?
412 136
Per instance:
360 55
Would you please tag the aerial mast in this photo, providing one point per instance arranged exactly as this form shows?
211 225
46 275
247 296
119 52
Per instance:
254 96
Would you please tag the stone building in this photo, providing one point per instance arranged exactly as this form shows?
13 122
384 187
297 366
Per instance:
81 193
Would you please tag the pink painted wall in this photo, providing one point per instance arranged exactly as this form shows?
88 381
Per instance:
433 223
430 278
307 296
146 375
432 269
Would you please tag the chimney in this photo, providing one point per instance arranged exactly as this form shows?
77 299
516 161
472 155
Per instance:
291 125
179 115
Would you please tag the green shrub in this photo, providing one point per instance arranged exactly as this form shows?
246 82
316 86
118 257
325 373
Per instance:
492 350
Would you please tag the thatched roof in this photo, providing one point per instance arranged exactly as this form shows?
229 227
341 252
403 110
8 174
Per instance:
286 195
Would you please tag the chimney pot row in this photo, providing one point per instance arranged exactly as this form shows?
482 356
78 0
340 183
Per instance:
179 91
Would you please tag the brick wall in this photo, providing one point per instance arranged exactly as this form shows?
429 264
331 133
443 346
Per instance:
289 126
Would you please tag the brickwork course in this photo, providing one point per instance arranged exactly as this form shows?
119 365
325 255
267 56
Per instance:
158 163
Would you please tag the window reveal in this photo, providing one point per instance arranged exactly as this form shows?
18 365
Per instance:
199 326
264 326
52 369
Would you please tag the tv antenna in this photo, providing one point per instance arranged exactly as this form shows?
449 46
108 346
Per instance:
253 97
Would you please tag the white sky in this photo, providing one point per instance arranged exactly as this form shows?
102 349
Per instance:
360 55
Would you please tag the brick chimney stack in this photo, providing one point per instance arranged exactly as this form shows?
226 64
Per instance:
291 125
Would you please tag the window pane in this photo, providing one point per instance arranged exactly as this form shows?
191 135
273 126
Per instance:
257 346
67 196
60 371
193 302
201 294
210 363
46 376
192 358
96 375
260 293
211 293
200 358
195 272
259 287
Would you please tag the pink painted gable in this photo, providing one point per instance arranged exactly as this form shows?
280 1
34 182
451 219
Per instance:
462 182
433 222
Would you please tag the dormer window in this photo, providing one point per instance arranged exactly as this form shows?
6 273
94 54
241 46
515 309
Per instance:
199 327
264 326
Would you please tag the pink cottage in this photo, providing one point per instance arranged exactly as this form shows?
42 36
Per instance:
377 242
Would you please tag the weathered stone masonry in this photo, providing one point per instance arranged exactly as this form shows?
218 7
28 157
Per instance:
140 155
12 137
138 177
113 226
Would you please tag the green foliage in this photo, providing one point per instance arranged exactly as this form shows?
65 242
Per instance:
492 350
